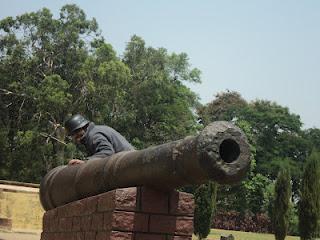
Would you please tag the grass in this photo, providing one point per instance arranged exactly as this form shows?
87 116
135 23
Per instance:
215 234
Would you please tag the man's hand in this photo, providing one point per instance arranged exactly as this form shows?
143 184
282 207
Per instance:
75 161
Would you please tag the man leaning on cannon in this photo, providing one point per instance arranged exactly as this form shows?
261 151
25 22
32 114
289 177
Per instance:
100 140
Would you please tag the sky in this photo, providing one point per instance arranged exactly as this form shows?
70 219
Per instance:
263 49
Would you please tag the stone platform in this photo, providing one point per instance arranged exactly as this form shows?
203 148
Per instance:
137 213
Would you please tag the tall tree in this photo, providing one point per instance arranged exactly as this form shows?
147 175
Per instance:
205 202
281 205
161 104
309 204
40 61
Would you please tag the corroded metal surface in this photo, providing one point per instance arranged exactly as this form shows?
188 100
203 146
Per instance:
219 153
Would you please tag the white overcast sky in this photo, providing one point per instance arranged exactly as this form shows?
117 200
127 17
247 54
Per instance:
264 49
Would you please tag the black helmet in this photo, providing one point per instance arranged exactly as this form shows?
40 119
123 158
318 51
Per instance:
74 123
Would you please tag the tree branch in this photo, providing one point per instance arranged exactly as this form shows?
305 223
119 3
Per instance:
52 137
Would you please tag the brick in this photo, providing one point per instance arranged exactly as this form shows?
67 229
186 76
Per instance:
63 211
65 224
76 224
181 203
106 201
116 235
162 224
76 209
147 236
141 222
123 221
154 201
120 199
171 225
97 222
126 221
90 236
103 235
66 236
86 223
79 236
184 226
90 205
54 225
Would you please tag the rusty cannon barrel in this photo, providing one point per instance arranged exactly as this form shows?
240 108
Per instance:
219 153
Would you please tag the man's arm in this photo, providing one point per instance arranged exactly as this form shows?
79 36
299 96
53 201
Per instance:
102 147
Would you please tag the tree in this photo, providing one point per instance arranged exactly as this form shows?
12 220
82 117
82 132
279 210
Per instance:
276 133
281 205
309 204
40 61
205 202
53 67
226 106
160 104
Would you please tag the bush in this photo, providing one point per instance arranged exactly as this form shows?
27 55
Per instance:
248 222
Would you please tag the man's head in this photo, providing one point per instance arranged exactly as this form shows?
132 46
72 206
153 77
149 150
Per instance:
76 127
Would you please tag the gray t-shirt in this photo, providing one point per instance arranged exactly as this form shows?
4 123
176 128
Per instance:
102 141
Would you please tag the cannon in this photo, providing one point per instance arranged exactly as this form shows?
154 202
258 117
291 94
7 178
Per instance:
220 152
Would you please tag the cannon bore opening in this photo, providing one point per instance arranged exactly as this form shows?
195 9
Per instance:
229 150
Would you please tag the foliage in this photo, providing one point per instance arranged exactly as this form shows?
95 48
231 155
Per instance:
274 133
157 83
233 220
281 205
204 196
309 204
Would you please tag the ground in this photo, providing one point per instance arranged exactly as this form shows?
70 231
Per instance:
19 236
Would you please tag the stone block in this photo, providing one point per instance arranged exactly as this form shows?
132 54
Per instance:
65 224
90 236
126 221
148 236
86 223
154 201
120 199
90 205
76 224
181 203
171 225
97 222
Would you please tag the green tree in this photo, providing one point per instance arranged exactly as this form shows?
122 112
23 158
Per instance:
226 106
40 61
276 133
205 202
309 204
281 205
312 136
160 104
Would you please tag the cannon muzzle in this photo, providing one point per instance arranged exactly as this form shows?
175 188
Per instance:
219 153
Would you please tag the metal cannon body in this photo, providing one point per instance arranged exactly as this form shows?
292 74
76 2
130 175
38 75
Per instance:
219 153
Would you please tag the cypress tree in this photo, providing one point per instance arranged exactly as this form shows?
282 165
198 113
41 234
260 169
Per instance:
281 204
205 202
309 204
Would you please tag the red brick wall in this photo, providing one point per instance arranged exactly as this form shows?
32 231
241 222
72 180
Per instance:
130 213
